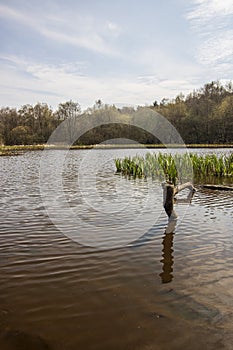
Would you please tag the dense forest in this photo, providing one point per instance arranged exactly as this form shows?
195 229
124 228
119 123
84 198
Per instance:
205 116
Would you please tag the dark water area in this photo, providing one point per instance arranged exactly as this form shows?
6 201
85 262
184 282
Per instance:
123 283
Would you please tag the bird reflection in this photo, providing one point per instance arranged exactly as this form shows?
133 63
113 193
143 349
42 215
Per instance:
166 275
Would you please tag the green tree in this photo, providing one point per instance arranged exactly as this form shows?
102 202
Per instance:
69 111
39 121
43 116
26 115
223 126
9 120
20 135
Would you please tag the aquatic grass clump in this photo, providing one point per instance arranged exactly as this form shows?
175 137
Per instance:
176 168
212 165
156 165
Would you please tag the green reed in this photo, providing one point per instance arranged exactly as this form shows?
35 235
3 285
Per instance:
212 165
175 168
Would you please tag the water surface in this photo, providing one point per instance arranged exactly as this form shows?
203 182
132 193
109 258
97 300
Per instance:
171 291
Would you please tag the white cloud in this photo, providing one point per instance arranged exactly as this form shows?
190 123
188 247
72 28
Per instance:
212 21
113 29
206 10
71 29
218 48
11 13
167 67
54 84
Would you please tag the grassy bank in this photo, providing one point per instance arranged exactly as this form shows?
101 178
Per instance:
18 148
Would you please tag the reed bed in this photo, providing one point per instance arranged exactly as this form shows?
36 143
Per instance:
212 165
176 168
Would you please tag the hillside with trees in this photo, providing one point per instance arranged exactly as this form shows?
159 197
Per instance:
205 116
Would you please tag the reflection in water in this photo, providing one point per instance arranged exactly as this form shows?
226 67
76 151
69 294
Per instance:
166 275
169 199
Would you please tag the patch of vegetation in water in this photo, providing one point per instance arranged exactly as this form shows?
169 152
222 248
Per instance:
176 168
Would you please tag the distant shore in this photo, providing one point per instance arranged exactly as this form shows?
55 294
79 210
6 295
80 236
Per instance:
18 149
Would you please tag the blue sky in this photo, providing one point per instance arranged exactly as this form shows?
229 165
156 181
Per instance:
125 52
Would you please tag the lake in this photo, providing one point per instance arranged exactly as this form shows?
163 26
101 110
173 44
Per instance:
85 262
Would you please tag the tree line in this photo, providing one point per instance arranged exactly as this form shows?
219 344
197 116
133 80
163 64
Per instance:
203 116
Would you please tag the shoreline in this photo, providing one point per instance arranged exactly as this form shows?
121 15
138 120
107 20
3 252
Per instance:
22 148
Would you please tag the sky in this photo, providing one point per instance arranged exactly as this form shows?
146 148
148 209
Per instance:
124 52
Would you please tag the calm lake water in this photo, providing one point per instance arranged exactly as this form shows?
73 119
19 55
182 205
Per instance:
120 282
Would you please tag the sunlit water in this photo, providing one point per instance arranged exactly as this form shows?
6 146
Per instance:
158 291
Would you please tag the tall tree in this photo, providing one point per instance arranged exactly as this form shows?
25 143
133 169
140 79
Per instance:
69 111
9 120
